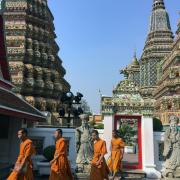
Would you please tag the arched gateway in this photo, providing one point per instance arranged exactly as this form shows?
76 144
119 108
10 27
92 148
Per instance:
131 114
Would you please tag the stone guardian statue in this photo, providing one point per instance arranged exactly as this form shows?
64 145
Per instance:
172 150
84 145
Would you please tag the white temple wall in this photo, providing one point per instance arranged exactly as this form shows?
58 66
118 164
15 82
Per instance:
158 150
44 137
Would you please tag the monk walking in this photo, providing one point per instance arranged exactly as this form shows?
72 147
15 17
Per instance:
117 151
60 168
99 168
23 167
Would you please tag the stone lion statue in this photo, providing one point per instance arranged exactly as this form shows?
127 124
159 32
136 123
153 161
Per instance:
172 150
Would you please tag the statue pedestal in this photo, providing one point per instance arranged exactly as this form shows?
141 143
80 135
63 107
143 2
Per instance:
83 168
82 176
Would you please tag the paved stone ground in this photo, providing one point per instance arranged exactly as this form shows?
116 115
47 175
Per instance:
129 174
46 178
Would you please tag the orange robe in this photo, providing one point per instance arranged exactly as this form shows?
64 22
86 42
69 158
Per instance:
99 172
26 150
114 162
60 168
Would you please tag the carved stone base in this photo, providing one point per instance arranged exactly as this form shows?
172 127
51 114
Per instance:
81 176
152 173
83 168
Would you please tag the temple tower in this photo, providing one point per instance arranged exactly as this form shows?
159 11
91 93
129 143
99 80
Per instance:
167 93
32 53
158 44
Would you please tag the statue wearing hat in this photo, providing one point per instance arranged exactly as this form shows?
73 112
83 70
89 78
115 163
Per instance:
172 150
84 145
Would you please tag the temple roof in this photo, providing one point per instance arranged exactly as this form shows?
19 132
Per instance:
132 67
12 105
134 63
127 99
125 86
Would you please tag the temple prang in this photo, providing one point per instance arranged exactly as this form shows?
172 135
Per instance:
32 53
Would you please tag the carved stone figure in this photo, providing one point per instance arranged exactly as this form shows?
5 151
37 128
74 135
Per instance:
84 145
172 150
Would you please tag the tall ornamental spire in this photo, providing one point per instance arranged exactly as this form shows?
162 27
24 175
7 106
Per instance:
158 44
159 18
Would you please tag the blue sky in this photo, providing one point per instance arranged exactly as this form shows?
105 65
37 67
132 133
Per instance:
98 37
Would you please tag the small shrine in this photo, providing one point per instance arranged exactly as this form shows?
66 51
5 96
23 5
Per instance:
131 114
126 98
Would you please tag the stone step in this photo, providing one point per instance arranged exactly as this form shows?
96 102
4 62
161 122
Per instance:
127 174
138 174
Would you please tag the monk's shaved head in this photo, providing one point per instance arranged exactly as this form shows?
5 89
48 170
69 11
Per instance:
58 134
23 131
95 135
95 132
59 131
115 133
22 134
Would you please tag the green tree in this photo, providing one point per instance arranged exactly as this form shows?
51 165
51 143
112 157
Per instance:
99 126
48 152
127 133
85 107
157 125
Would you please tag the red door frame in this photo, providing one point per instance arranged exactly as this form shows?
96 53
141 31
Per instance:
116 118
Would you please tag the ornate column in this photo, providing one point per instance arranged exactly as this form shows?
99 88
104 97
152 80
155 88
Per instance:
148 148
108 128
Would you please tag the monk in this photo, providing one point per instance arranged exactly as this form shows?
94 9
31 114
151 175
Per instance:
99 168
23 169
60 167
117 152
